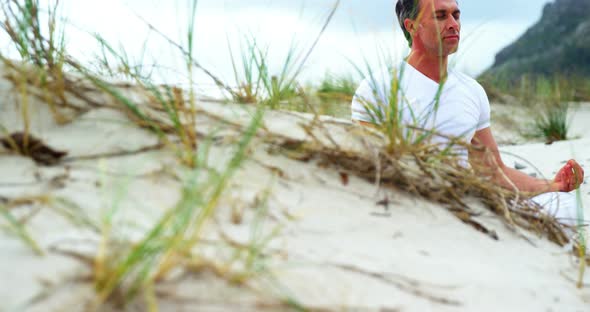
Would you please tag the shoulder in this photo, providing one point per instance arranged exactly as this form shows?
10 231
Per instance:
361 102
370 98
471 85
364 85
375 86
364 91
467 81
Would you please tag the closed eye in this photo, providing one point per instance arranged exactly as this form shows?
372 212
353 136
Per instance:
442 14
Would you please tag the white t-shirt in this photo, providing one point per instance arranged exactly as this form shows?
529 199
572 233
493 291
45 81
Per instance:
463 106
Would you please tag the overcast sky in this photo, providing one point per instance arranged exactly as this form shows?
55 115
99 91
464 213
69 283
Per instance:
382 10
357 29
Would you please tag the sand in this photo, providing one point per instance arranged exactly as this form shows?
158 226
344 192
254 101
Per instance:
336 247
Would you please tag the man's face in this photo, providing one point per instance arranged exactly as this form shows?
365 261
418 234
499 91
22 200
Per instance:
438 27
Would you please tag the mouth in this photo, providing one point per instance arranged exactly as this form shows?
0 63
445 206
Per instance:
452 37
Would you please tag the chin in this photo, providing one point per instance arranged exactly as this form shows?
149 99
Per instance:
451 50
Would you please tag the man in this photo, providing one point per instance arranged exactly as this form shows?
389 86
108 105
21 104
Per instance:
431 96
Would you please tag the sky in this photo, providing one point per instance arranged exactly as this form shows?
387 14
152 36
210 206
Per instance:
359 30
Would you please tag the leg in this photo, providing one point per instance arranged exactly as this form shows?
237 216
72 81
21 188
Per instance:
563 206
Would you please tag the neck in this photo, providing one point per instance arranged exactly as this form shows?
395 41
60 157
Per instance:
433 67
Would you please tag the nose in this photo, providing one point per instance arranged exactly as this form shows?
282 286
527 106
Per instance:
454 24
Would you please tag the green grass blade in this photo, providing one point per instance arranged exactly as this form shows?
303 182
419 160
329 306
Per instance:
20 231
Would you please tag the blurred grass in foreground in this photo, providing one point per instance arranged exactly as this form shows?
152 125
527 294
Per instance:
123 269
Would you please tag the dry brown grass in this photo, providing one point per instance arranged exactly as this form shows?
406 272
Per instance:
121 269
424 171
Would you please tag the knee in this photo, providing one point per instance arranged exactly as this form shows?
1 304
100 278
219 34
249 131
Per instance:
563 206
567 210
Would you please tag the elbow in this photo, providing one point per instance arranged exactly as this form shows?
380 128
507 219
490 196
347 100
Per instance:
490 166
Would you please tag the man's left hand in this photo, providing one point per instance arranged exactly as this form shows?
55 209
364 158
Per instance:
570 177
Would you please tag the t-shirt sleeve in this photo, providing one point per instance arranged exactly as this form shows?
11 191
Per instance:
363 103
484 110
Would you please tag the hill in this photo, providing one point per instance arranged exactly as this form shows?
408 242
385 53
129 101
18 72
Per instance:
558 44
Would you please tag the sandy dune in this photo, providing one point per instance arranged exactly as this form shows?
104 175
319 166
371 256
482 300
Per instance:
340 243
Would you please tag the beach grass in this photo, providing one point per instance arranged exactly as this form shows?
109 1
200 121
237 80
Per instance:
337 87
126 269
257 83
546 99
248 82
385 106
551 119
18 226
409 160
388 115
179 118
175 236
19 229
41 45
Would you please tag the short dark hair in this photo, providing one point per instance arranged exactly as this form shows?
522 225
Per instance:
407 9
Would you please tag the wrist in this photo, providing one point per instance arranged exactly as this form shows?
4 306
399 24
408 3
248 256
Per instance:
555 186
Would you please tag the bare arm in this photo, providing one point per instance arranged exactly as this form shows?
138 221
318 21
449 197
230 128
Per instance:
486 158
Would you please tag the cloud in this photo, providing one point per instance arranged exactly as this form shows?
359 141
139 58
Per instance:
491 25
353 15
380 13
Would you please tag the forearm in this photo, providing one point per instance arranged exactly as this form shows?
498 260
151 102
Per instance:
510 178
485 159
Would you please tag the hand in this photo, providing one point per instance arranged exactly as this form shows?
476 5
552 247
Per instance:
570 177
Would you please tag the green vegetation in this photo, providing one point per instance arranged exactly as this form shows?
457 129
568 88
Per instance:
124 268
334 87
412 161
19 229
180 112
255 83
388 112
62 207
547 100
248 84
43 47
545 50
546 58
175 238
551 120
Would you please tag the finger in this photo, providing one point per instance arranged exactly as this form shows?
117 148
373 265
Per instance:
571 184
562 174
568 171
570 178
578 166
574 186
561 177
578 170
564 169
578 174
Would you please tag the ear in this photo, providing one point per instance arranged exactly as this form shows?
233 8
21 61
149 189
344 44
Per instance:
410 25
